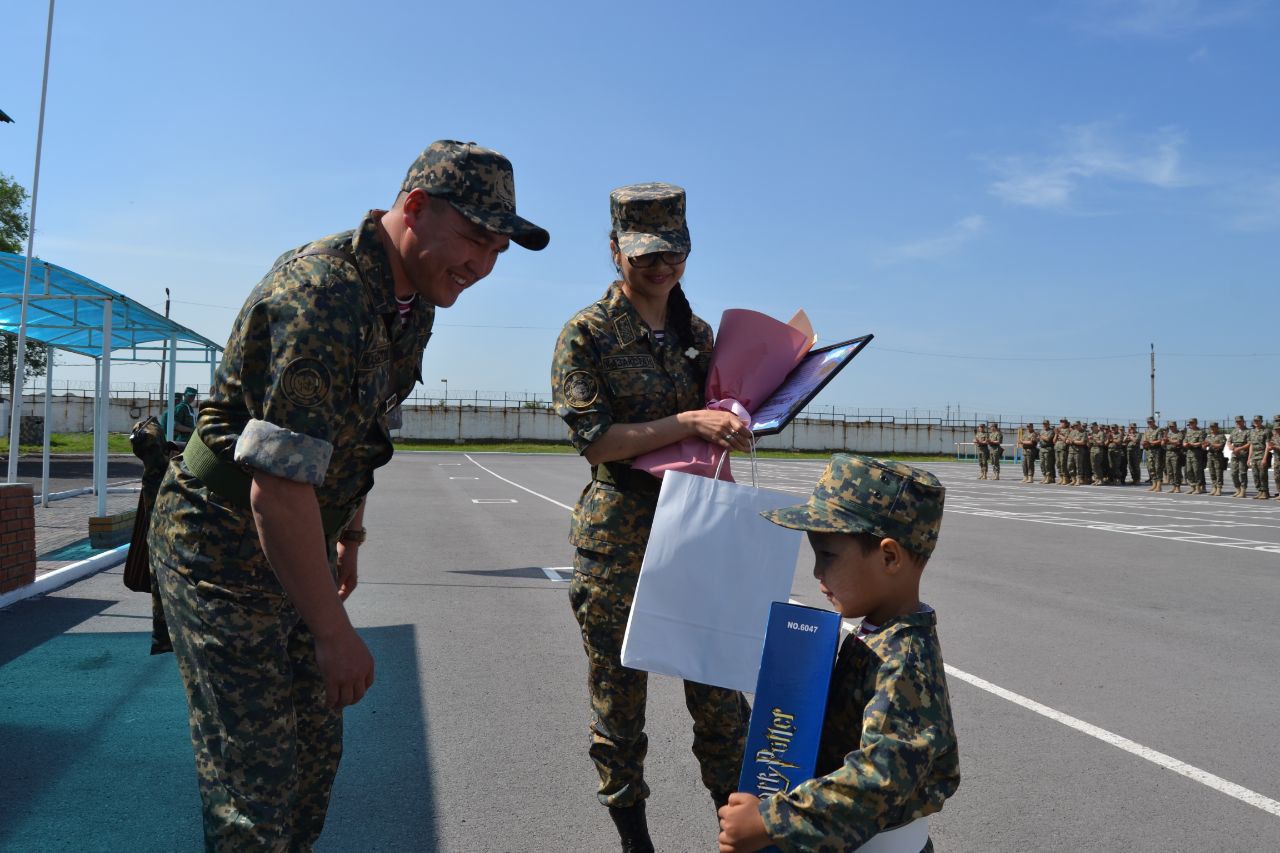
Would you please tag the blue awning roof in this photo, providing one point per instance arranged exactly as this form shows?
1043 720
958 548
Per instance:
66 309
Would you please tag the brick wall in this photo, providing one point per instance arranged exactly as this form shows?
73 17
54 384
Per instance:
17 536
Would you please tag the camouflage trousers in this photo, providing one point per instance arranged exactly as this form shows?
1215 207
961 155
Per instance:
1215 462
1061 456
1028 463
1135 463
1240 471
600 594
1173 467
267 744
1048 463
1086 464
1098 464
1155 464
1074 464
1115 461
995 453
1259 476
1196 461
984 457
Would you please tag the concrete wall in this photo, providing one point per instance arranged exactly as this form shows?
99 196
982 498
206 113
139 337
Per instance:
481 423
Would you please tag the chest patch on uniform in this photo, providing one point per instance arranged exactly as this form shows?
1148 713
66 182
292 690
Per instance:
580 389
306 382
625 331
629 362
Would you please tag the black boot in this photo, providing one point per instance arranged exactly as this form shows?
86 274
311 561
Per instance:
632 828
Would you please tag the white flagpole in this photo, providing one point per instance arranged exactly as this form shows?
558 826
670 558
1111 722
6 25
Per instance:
19 370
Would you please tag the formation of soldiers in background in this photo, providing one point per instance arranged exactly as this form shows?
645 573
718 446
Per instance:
1102 455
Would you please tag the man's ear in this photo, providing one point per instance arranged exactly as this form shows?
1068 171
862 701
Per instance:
893 556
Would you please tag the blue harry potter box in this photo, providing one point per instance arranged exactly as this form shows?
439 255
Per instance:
791 699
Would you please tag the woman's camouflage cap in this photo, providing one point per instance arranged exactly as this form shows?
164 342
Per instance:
649 218
858 494
480 185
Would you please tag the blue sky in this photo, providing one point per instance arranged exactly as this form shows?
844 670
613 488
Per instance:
1017 199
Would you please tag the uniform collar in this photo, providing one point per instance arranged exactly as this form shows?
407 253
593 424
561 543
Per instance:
374 263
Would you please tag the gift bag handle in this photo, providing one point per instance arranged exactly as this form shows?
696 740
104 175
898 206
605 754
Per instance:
725 455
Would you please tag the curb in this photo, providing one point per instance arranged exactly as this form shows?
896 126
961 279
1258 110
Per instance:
58 578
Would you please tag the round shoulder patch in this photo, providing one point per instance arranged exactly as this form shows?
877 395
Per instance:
305 382
580 389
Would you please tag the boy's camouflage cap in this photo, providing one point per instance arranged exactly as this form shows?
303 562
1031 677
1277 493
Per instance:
480 185
649 218
858 494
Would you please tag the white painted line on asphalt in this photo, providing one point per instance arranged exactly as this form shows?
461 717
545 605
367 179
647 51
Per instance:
450 464
1217 783
554 574
517 485
1168 762
494 500
464 478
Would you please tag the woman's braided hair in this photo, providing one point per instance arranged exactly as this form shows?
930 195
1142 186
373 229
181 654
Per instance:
679 312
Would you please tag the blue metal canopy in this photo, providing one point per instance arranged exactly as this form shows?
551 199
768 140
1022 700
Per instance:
65 310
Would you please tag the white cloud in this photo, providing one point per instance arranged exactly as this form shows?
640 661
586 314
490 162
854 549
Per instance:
953 238
1090 152
1165 19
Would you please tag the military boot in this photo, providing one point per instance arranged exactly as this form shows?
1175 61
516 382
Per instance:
1154 485
632 828
1239 492
1176 490
1217 491
1157 486
997 476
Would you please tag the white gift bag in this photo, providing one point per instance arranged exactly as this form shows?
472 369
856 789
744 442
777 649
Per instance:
711 570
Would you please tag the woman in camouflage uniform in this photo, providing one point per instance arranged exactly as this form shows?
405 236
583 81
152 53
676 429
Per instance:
628 377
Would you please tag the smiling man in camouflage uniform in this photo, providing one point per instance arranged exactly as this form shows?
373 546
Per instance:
256 531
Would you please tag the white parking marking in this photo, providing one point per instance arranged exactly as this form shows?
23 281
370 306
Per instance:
494 500
556 575
1217 783
464 478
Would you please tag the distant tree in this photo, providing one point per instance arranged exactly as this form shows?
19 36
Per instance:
14 227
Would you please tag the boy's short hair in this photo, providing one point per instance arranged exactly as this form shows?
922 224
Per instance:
861 495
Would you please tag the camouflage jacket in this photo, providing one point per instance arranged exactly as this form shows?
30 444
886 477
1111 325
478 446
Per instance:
1061 436
1239 439
1194 438
608 369
888 753
1216 440
1132 440
1152 438
1173 439
994 439
1076 437
1258 438
980 438
1046 438
1096 438
316 360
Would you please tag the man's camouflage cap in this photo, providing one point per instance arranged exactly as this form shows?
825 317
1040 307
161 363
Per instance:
649 218
189 391
480 185
1213 424
858 494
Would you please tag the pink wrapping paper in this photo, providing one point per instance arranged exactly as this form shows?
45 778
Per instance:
752 355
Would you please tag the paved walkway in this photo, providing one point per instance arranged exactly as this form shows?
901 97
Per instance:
65 523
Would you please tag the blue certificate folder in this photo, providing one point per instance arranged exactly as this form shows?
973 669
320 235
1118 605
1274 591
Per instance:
791 698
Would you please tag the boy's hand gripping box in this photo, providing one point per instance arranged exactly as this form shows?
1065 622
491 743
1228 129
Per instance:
791 699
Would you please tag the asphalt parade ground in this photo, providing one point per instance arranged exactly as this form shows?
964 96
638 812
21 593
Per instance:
1111 656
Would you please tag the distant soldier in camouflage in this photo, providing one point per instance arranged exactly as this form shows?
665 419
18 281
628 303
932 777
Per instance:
627 377
1133 453
888 756
256 531
1153 444
1259 437
1116 455
1028 442
1097 442
1214 442
983 451
995 448
1273 450
1173 438
1275 457
1078 449
1239 457
1193 443
1048 454
1062 453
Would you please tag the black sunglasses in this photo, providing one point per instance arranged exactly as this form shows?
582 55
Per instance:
671 259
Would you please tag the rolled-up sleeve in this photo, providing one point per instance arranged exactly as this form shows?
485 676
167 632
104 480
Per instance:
300 349
578 391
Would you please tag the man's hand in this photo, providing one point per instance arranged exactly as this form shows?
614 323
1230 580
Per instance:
741 827
347 667
348 554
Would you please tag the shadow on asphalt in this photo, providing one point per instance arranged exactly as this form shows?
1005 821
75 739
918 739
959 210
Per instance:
28 624
526 572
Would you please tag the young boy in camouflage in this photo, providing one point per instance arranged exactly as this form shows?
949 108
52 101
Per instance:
888 755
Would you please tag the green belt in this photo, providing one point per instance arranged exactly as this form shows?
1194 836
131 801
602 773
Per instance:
231 482
626 478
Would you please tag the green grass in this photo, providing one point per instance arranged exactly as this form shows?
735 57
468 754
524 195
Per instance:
565 448
77 442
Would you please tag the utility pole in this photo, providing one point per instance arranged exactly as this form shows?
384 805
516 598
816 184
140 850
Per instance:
1153 380
164 350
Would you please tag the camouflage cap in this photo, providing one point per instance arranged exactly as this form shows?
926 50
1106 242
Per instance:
480 185
1239 417
649 218
189 391
1192 421
858 494
1212 424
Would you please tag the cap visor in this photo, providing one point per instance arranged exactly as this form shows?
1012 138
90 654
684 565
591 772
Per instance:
636 243
814 519
521 231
